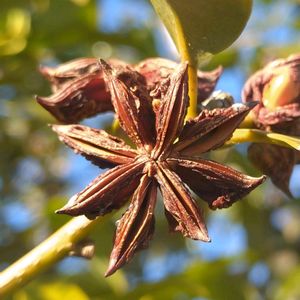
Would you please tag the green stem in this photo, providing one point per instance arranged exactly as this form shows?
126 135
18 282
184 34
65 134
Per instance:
115 125
57 246
185 54
258 136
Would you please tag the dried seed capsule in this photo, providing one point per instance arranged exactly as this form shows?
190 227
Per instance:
277 87
79 90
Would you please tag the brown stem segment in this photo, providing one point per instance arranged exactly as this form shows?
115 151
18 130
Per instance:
57 246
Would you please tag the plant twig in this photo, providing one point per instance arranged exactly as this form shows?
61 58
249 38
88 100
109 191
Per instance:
243 135
57 246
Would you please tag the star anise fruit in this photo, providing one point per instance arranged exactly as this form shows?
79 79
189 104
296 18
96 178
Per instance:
277 88
167 157
80 91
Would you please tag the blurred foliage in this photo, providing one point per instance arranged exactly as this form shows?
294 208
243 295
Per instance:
256 244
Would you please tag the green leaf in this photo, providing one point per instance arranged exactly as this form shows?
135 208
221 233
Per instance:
259 136
202 26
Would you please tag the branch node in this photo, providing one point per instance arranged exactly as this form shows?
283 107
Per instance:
84 249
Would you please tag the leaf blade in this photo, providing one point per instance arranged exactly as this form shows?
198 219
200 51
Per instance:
204 26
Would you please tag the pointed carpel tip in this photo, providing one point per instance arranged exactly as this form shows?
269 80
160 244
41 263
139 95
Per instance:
42 100
106 68
252 104
55 127
60 129
181 72
201 235
112 268
38 98
64 211
204 237
102 62
59 211
104 65
183 67
52 126
109 272
262 179
68 209
44 70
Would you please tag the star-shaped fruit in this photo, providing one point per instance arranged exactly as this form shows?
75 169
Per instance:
167 157
79 89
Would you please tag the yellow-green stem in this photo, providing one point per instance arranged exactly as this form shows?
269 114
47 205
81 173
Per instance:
115 125
248 122
57 246
185 54
259 136
193 92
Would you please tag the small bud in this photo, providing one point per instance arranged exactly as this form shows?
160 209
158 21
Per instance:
85 249
218 99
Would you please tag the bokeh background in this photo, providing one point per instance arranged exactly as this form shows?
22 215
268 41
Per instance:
255 249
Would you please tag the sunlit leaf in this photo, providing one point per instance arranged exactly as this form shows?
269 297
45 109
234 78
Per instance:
203 26
13 37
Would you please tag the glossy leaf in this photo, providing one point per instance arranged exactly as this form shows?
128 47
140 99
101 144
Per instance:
203 26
